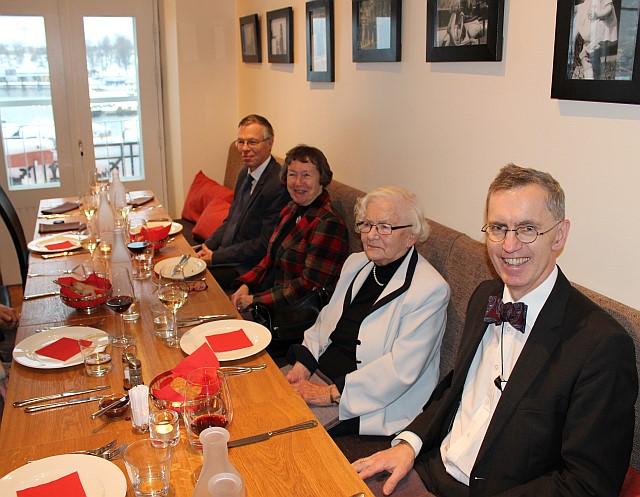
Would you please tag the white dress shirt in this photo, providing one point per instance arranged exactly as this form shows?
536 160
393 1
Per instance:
480 396
257 172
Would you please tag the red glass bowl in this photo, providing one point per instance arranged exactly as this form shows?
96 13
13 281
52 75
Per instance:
86 304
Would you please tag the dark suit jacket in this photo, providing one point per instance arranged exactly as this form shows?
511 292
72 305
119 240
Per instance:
256 223
564 423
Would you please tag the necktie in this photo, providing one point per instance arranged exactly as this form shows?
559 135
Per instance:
240 203
498 312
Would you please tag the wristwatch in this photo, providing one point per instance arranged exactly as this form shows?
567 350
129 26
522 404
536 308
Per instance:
334 399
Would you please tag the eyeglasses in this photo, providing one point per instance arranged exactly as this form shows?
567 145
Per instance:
382 228
249 143
526 234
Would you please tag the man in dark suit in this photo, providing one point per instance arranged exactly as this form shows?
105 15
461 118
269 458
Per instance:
541 399
241 241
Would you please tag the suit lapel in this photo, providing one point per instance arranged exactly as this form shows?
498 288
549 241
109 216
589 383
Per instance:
540 345
260 184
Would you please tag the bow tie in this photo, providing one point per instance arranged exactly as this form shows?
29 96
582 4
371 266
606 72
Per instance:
515 313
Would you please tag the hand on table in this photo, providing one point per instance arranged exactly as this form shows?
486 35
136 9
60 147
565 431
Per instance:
397 460
313 393
205 253
8 317
242 298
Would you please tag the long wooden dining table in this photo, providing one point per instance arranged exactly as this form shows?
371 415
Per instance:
303 463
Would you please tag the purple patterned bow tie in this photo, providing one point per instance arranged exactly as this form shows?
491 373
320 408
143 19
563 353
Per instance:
515 313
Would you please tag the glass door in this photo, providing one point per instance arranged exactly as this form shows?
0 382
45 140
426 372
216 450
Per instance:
79 92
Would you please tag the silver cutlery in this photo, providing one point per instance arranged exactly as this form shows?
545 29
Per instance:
97 322
114 453
66 403
115 403
40 295
79 269
185 322
235 370
181 264
98 450
267 435
144 207
64 254
56 216
62 395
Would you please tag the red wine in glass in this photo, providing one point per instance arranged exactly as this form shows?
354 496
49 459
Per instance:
207 421
119 303
137 247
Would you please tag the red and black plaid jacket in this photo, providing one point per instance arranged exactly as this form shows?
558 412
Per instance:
310 256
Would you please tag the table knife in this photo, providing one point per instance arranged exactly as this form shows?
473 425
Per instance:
66 403
40 295
267 435
71 393
207 317
63 254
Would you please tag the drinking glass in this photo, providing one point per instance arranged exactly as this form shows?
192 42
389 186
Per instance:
122 296
96 354
89 207
149 468
207 402
173 292
164 428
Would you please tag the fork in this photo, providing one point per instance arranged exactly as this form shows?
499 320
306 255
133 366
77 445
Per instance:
99 450
181 264
79 268
113 453
97 322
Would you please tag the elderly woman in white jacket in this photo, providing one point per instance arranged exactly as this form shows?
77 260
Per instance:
378 339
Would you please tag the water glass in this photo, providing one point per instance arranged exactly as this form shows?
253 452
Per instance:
207 403
142 262
164 428
162 321
96 354
149 468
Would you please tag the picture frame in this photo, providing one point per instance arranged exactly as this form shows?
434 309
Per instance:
464 30
592 61
250 38
280 36
320 41
376 30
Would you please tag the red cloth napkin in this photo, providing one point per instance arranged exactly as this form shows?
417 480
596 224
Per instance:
69 486
156 233
202 357
60 245
63 348
233 340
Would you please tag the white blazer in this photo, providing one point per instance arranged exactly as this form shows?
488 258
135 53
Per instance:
400 339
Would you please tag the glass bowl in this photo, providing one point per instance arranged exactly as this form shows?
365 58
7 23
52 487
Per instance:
85 303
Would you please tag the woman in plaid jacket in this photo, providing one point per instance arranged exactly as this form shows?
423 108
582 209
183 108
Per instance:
308 246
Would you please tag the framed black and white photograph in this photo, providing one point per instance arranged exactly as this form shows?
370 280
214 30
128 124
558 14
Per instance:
280 35
376 30
464 30
250 38
597 51
320 43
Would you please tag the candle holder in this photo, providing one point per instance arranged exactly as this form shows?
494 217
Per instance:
164 428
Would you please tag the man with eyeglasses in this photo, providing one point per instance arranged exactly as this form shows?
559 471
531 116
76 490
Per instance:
541 399
241 241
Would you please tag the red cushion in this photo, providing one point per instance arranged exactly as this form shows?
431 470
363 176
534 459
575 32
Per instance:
631 485
211 218
202 191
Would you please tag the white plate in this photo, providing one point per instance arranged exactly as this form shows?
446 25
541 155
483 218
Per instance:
193 267
175 227
40 244
25 352
196 336
99 477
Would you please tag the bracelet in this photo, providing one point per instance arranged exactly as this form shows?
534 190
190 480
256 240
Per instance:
334 400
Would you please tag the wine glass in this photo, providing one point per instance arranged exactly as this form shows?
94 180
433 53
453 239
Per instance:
207 402
89 207
121 298
173 293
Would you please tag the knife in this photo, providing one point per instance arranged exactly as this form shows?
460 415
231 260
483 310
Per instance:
63 254
33 400
55 405
40 295
266 436
208 317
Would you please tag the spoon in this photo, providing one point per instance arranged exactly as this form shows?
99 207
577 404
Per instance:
115 403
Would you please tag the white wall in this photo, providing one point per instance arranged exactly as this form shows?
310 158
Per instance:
198 47
444 129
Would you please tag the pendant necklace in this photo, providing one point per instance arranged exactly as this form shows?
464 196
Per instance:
375 277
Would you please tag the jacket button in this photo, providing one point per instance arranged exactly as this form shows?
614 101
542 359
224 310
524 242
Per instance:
358 342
